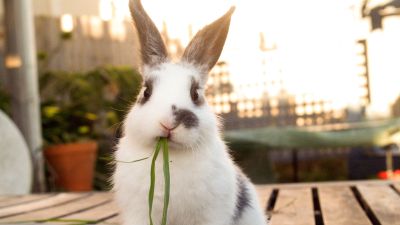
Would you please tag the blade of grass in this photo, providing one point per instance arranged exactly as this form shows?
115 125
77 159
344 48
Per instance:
110 159
152 179
166 181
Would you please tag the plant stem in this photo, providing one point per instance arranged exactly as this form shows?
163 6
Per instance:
152 179
166 181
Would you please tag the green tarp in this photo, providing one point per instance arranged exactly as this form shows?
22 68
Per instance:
371 133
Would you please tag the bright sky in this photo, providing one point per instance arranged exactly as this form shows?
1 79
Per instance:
315 40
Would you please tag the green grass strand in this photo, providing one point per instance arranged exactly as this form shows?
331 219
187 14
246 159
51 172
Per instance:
152 180
110 159
166 181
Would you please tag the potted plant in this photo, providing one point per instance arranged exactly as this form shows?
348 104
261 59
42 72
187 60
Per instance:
68 129
78 108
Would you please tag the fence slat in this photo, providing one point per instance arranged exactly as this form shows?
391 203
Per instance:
83 51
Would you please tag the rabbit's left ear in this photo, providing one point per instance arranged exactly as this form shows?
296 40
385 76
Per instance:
206 47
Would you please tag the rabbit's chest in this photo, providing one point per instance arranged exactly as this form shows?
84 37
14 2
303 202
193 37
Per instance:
188 181
193 185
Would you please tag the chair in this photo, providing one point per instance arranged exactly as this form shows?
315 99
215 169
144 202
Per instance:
16 171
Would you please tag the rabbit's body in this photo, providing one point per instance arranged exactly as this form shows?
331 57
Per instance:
206 186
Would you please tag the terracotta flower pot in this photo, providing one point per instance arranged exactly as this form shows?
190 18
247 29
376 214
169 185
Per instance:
74 164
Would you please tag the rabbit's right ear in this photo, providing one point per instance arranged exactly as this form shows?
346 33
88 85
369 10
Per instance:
206 46
152 47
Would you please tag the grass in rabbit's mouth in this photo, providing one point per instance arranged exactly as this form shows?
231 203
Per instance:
162 143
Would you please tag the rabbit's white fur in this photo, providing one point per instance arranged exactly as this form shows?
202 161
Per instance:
206 186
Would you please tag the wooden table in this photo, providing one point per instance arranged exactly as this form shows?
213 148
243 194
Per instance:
332 203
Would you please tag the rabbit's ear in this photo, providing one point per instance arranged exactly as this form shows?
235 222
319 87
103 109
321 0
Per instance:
152 47
206 47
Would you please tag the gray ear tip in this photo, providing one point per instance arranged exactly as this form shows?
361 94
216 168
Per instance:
134 4
231 10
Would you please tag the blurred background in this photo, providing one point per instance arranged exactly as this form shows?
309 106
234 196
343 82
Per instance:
310 67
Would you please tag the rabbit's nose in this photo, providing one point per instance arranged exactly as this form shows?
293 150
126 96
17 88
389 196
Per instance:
168 127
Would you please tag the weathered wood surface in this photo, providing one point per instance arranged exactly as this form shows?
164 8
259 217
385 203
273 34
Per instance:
340 207
293 207
333 203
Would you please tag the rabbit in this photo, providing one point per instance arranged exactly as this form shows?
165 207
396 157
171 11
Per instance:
207 188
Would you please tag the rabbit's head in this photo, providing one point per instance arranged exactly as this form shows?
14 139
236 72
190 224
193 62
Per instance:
172 101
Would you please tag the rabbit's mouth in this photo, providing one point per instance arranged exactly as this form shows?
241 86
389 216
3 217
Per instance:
168 131
171 141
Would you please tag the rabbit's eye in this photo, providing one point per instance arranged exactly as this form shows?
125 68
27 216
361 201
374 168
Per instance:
147 92
194 93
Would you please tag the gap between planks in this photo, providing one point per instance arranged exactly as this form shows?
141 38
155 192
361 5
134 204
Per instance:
383 201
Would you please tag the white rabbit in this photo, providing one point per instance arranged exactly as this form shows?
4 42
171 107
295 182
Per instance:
206 186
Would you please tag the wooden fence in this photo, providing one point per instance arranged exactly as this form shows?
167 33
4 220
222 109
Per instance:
91 43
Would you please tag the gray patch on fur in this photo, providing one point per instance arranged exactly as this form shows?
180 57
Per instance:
243 198
186 117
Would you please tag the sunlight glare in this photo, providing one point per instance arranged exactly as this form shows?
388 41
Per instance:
300 48
67 23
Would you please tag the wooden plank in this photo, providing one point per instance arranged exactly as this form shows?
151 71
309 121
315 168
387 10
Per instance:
293 207
45 203
7 197
100 212
22 199
397 187
116 220
264 193
62 210
383 201
340 207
